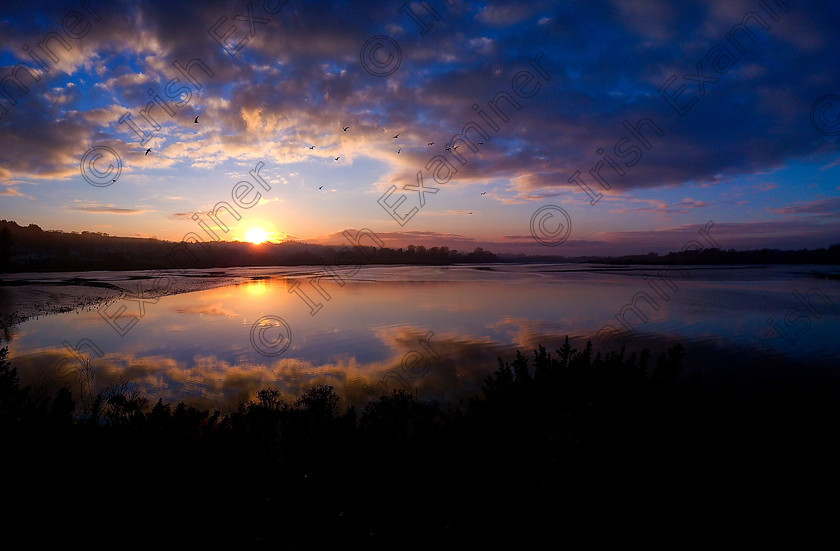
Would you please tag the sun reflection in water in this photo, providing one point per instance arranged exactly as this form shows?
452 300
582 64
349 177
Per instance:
257 288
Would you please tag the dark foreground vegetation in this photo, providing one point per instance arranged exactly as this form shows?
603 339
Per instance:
557 445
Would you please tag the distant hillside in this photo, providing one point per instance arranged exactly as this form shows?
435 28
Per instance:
831 255
24 249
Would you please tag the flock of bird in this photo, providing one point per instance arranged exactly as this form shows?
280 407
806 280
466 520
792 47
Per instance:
395 136
345 128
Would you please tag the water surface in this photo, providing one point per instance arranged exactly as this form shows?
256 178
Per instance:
436 331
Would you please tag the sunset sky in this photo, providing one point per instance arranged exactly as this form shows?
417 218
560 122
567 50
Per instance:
756 153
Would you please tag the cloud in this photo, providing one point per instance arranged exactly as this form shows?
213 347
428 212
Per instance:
657 206
690 203
829 207
292 83
298 79
111 210
185 215
12 192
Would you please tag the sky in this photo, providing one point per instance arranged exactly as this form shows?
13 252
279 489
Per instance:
582 128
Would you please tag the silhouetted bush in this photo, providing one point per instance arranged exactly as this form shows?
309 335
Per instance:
549 439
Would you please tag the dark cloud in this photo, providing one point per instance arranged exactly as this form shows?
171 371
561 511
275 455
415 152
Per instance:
298 78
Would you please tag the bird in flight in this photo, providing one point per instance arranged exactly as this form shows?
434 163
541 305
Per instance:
147 151
114 180
196 120
431 143
320 187
337 158
470 213
484 193
398 150
480 143
397 136
457 146
311 147
448 149
345 128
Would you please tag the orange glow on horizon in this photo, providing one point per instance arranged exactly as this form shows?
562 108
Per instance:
256 236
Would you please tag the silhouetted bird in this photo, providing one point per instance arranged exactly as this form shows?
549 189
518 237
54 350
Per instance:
196 120
337 158
398 150
147 151
480 143
320 187
448 149
484 193
457 146
431 143
345 128
397 136
311 147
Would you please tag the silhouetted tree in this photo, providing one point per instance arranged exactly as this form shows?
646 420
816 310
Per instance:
7 241
320 402
123 404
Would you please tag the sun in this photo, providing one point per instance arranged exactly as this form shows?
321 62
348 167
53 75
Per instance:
256 235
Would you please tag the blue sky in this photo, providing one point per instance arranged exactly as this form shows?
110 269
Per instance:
748 155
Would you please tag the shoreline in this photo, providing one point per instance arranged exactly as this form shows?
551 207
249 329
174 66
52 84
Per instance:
62 292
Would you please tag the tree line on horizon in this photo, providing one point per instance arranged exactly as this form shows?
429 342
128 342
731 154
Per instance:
31 248
711 256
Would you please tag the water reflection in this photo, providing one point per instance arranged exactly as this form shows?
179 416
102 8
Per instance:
436 331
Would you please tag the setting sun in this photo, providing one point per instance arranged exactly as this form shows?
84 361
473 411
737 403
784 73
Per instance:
256 235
